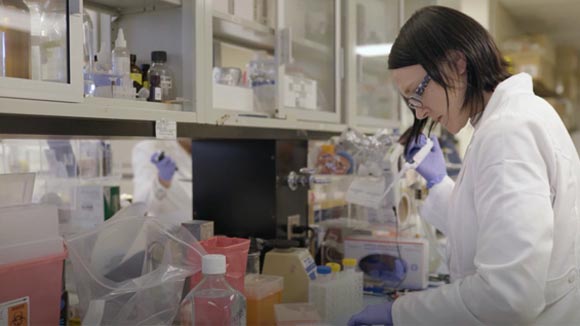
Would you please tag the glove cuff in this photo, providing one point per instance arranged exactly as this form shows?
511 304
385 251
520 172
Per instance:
435 180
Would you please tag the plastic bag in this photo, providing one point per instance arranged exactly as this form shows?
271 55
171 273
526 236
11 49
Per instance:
131 270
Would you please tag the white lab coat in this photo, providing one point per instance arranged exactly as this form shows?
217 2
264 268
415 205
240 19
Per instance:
512 222
174 204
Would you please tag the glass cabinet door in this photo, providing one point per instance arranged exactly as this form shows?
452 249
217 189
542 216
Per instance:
38 49
371 29
309 75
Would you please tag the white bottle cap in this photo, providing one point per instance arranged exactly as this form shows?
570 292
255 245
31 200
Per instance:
213 264
120 42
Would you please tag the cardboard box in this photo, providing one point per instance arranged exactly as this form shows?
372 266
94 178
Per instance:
539 44
300 92
534 64
233 98
566 59
201 230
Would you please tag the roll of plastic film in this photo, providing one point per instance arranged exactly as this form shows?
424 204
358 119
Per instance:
404 208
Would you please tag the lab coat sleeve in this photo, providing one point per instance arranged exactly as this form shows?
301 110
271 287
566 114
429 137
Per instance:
514 241
434 210
147 188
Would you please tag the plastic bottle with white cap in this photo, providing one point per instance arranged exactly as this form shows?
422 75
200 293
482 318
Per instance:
213 301
122 68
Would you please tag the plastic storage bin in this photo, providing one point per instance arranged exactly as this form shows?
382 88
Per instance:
30 291
236 252
262 293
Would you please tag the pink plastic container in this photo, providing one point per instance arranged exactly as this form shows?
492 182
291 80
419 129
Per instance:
236 252
39 280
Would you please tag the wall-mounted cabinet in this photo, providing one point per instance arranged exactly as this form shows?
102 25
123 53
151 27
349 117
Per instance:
274 64
64 58
280 64
37 44
370 30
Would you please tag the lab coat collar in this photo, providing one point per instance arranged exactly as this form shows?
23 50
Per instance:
520 83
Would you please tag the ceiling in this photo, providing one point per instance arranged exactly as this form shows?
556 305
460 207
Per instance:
558 18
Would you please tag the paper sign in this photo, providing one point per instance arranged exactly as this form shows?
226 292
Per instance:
15 312
367 192
166 129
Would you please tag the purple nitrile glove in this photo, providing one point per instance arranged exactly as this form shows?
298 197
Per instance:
433 166
165 166
376 314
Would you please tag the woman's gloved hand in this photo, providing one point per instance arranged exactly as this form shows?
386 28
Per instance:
376 314
433 166
165 168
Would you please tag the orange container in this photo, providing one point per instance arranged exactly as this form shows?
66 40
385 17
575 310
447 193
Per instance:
262 293
236 252
30 290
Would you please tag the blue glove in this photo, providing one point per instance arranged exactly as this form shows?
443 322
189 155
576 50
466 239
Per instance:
376 314
165 166
433 166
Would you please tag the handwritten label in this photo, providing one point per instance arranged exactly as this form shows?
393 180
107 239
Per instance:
166 129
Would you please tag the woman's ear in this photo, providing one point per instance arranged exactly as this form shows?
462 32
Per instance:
458 61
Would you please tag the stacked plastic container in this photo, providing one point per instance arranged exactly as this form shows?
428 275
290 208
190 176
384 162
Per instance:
236 252
31 264
336 294
262 293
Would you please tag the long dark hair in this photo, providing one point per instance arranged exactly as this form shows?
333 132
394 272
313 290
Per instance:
431 37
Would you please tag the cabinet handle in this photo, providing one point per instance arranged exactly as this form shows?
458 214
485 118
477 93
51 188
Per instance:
285 45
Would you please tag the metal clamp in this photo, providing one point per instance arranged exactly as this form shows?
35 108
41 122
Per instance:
305 178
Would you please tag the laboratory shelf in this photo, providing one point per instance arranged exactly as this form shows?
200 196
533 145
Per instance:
131 6
307 46
242 31
369 124
234 118
31 119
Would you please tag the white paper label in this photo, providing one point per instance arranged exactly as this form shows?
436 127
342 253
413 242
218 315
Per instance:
166 129
367 192
157 96
15 312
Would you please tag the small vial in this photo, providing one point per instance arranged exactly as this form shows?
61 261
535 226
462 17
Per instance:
323 274
335 268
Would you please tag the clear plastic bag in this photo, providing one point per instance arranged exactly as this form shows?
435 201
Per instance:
131 270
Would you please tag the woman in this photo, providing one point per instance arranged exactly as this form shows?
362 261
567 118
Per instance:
162 178
512 215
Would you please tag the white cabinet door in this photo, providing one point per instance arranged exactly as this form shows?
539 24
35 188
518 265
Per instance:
310 60
41 50
371 29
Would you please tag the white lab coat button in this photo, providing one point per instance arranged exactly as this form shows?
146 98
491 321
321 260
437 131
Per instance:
572 278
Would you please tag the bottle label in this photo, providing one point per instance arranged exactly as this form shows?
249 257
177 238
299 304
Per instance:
166 82
137 77
157 95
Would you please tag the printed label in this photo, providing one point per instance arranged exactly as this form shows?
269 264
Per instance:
15 312
137 77
166 129
309 265
157 94
166 82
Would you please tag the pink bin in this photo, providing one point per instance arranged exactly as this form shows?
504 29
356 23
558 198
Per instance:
236 252
39 280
